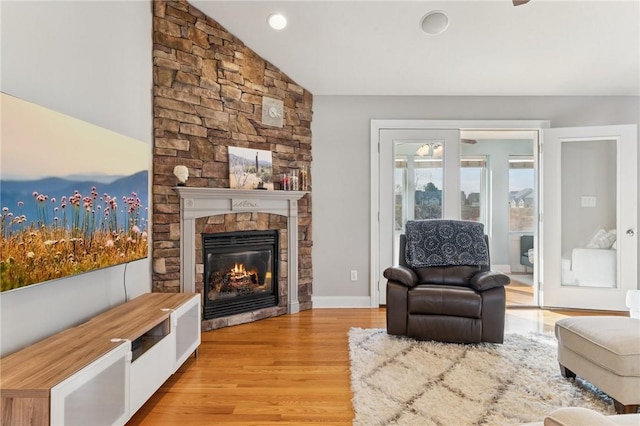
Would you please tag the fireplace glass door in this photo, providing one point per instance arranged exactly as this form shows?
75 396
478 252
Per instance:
240 272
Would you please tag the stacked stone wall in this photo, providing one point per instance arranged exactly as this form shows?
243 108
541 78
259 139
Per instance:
207 96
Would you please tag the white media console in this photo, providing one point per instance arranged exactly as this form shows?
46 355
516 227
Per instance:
104 370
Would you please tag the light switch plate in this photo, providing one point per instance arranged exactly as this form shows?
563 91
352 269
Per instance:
588 201
272 112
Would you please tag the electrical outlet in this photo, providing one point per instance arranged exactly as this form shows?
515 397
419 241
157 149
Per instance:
354 275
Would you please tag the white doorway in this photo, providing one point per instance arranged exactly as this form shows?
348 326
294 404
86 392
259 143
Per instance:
415 160
590 210
556 224
499 187
389 138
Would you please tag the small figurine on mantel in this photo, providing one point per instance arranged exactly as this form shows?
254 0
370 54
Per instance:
182 173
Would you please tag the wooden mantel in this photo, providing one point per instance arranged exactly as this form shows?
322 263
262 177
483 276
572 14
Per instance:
203 202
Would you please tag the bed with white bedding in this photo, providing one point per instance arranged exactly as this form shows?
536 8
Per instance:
594 265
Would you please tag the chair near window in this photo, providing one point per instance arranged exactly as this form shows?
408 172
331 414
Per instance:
526 244
443 288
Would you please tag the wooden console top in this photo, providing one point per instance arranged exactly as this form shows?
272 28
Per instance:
34 370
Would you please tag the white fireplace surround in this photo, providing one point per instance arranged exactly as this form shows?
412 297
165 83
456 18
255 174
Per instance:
204 202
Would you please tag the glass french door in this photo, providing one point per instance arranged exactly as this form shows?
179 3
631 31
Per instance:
430 172
417 184
423 164
589 220
473 188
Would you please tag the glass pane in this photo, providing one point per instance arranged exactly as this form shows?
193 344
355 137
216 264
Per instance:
589 257
521 194
400 184
418 182
418 179
472 185
428 178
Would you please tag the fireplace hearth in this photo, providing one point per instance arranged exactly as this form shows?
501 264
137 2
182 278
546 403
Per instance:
240 272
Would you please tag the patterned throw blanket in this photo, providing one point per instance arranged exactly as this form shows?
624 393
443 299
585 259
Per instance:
445 243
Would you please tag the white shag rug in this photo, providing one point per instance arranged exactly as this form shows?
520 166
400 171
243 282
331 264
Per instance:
400 381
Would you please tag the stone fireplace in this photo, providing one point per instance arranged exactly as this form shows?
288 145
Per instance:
196 203
209 90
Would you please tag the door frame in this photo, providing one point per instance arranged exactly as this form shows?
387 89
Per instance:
555 292
376 127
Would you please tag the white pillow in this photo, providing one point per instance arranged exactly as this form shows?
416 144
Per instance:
602 239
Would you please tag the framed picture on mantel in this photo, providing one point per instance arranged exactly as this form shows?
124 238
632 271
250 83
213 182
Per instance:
250 168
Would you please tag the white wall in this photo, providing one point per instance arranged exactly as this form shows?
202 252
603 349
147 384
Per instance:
92 61
340 173
89 60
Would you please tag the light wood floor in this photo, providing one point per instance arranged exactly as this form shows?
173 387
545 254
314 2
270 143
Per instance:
288 370
520 290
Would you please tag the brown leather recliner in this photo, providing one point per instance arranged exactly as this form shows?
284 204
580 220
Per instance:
459 303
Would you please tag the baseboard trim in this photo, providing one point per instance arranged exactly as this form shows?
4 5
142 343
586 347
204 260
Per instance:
505 269
320 302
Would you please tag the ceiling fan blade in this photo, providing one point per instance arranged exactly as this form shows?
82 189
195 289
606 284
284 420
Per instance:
470 141
519 2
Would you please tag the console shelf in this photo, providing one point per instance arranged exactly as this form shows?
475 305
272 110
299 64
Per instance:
65 378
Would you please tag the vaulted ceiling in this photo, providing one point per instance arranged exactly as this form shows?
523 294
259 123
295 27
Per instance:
544 47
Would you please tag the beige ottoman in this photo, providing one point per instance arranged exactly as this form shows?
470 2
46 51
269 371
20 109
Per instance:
605 351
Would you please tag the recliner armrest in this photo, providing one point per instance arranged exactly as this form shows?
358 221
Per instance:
401 274
488 279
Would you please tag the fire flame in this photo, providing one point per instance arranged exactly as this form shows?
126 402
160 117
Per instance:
239 269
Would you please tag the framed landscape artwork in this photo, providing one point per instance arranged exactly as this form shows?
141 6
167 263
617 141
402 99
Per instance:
250 168
74 196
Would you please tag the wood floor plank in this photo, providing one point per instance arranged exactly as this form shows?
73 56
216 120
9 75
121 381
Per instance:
287 370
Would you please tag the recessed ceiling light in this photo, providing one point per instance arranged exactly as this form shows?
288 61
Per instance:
434 22
277 21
